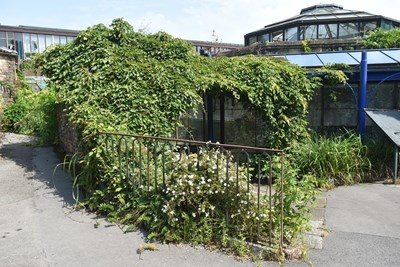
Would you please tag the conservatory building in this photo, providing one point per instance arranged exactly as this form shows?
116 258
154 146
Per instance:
328 27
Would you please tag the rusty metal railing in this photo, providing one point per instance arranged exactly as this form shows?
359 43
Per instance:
250 175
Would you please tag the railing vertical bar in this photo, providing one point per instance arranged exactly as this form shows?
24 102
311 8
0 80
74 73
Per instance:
163 163
112 147
140 167
270 199
155 165
148 169
282 178
126 160
258 197
119 149
237 193
227 189
133 163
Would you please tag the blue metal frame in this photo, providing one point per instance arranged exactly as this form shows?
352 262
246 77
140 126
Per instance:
362 101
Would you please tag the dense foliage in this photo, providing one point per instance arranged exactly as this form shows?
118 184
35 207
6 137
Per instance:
119 79
32 112
382 39
116 79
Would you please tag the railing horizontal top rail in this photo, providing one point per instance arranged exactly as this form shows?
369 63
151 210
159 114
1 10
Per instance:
209 143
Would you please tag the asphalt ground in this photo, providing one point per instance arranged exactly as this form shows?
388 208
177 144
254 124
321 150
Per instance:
40 227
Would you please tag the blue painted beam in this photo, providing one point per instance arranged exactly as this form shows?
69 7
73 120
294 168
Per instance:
376 75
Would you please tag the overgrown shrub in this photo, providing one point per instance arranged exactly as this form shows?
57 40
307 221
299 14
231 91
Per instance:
32 113
337 160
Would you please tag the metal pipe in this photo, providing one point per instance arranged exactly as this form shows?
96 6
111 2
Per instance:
362 103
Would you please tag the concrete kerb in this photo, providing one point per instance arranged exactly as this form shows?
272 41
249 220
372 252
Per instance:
314 238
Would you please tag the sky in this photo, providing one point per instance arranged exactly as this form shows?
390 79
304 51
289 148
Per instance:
186 19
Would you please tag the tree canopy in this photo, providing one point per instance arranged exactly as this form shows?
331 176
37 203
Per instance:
382 39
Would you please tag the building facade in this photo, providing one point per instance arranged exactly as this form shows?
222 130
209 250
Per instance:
28 40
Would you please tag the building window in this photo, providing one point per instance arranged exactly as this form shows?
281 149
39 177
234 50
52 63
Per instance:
308 32
10 40
63 40
366 27
56 39
291 34
263 38
348 30
252 40
18 44
3 39
386 25
49 40
34 43
27 45
327 31
277 36
42 43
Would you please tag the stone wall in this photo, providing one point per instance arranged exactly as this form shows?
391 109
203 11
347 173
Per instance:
69 136
8 67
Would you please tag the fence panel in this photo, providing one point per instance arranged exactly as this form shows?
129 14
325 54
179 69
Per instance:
251 178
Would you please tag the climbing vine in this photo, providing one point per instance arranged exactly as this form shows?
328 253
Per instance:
114 78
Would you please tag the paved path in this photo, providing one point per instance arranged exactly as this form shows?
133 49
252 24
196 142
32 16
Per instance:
364 221
38 226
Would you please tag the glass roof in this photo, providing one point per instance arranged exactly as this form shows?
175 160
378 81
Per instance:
305 60
337 58
395 54
322 12
374 57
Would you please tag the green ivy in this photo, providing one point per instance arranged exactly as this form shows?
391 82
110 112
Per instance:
118 79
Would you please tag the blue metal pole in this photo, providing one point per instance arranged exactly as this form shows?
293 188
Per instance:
362 101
